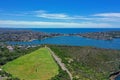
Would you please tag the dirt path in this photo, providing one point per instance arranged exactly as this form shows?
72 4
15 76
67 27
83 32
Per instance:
59 61
0 78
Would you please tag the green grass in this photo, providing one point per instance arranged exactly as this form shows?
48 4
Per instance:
38 65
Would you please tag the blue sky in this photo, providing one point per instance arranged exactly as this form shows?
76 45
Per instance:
60 13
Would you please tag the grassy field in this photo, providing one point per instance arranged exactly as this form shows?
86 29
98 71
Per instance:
38 65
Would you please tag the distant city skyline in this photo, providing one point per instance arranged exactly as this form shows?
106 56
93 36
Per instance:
59 14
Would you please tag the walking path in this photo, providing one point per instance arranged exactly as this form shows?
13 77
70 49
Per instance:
58 60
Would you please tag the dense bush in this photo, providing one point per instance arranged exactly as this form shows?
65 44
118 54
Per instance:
88 63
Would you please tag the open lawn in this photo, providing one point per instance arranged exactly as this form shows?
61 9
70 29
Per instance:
38 65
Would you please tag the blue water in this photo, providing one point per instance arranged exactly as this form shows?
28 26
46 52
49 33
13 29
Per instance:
67 30
74 30
75 41
117 78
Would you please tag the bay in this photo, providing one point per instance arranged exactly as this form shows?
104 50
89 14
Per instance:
71 40
74 41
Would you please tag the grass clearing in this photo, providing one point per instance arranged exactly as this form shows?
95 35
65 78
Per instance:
38 65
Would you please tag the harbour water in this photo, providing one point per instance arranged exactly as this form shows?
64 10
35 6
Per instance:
74 41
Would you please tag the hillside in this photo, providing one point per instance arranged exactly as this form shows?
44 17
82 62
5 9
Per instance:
108 35
24 35
88 63
38 65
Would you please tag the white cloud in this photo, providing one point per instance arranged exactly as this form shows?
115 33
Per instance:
53 16
60 19
102 17
106 19
108 15
45 14
41 24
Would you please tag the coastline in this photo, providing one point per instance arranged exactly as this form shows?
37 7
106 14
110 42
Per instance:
114 75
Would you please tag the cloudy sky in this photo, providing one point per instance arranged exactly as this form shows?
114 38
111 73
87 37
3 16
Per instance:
60 13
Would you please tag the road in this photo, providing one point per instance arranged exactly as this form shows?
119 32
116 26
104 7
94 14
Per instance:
59 61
